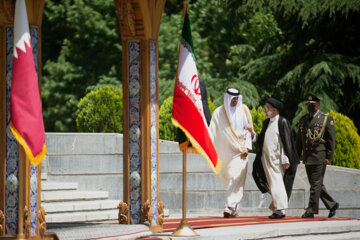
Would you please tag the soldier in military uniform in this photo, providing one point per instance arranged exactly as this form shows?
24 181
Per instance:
316 140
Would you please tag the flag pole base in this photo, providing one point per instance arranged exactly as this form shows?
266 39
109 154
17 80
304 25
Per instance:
184 230
20 237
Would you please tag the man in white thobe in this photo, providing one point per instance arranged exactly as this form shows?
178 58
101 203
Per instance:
232 140
274 160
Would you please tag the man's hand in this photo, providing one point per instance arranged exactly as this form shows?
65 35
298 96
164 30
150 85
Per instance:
327 162
286 166
251 130
244 152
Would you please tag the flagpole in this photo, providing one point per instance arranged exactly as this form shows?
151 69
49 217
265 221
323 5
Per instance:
185 7
22 159
184 229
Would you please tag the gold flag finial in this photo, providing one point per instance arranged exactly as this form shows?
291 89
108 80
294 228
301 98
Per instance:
186 9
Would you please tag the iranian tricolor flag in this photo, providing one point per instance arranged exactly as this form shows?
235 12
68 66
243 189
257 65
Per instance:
26 120
188 112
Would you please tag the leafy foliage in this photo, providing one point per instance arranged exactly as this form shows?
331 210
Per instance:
308 11
278 48
212 106
100 111
311 47
169 38
167 130
248 91
81 45
347 148
258 116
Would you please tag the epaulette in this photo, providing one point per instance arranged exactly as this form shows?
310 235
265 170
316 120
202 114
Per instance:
326 115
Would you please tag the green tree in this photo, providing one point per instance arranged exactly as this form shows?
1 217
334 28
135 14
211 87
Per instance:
168 42
167 130
81 46
101 111
212 106
347 147
277 48
258 116
315 49
213 35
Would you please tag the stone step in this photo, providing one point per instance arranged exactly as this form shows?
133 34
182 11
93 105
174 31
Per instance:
89 216
44 176
83 143
216 199
85 164
172 163
72 195
94 161
309 230
331 236
55 186
75 206
166 146
350 232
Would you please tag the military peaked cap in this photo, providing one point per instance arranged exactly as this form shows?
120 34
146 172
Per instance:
311 98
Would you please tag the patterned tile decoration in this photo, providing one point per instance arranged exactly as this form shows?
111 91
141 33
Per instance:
153 129
33 198
134 131
34 170
12 147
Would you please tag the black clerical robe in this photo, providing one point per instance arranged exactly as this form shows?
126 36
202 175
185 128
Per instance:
287 138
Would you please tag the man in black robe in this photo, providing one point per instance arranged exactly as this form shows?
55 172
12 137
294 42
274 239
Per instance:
287 139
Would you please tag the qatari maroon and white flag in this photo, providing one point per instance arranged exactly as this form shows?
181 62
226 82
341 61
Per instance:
26 120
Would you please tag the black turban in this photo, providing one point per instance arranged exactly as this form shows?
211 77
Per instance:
275 103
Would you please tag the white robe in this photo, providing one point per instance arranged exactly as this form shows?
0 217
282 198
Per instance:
272 158
228 147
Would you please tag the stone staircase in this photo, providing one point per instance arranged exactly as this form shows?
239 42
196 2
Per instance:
84 182
206 192
64 203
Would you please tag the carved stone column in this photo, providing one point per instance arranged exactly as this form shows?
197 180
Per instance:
11 169
139 25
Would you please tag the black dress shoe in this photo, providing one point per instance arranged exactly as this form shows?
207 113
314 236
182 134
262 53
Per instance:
276 216
308 215
333 210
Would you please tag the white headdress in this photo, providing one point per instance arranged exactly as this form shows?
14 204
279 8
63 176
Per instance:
236 114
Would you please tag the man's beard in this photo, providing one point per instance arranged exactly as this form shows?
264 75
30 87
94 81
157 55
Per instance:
268 114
